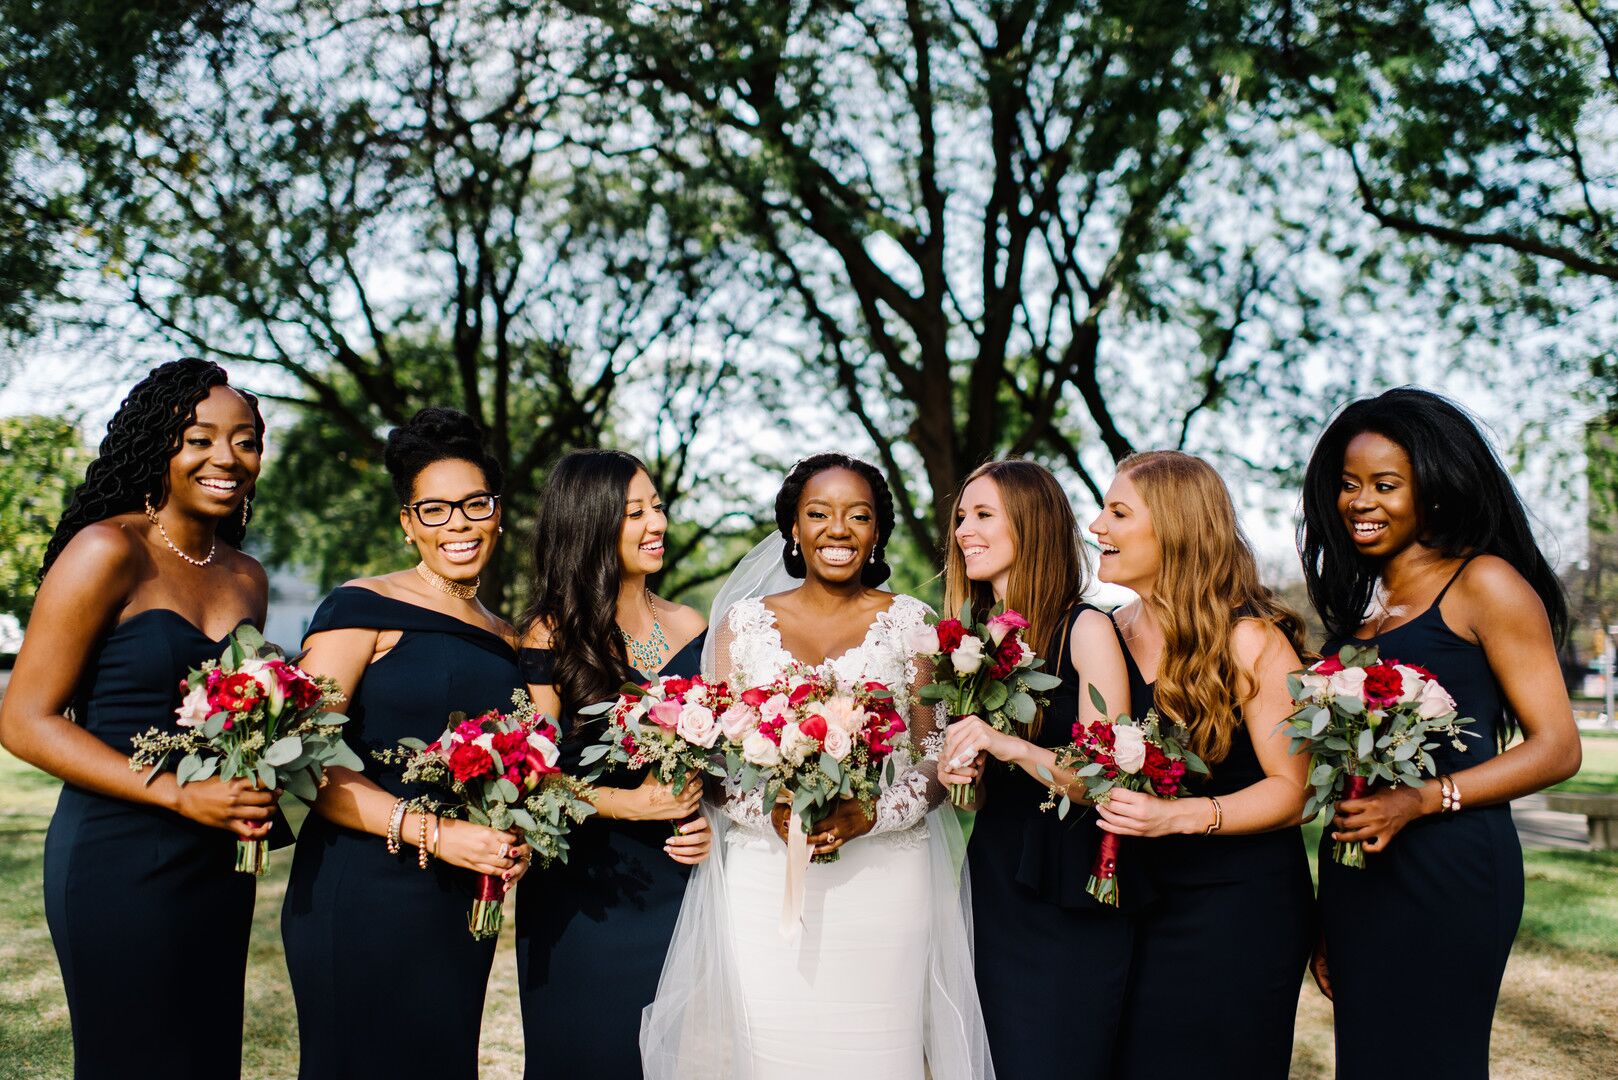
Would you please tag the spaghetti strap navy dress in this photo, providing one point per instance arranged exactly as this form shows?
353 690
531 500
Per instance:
1231 915
1034 924
148 915
1448 889
371 940
592 933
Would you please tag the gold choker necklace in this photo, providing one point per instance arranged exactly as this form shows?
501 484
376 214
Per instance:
459 590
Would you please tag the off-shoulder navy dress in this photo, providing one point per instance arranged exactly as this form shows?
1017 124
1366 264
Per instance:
1222 943
388 981
1445 896
591 934
1052 962
149 917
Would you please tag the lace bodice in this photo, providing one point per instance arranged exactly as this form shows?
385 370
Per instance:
749 652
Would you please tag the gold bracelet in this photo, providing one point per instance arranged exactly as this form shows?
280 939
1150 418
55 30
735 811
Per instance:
422 854
435 836
1219 817
1450 794
395 823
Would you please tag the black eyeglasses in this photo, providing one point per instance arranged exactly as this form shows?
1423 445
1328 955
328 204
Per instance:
435 512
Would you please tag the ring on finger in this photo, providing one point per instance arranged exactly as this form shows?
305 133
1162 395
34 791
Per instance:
505 849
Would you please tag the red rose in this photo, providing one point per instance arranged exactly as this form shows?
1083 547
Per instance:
1383 685
469 761
236 693
950 633
1006 657
675 687
1329 665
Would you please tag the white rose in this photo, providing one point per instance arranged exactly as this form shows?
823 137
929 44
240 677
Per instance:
1410 681
795 745
842 715
547 749
1350 682
698 726
1434 701
737 721
838 743
194 710
924 640
486 740
274 698
1128 748
968 657
1313 685
759 750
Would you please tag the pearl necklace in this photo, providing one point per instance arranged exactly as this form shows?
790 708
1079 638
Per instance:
151 515
647 654
457 589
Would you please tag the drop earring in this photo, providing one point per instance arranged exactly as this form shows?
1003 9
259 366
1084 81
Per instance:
247 505
872 559
794 545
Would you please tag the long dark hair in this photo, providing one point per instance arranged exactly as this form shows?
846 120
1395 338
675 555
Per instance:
577 571
1465 498
132 465
786 511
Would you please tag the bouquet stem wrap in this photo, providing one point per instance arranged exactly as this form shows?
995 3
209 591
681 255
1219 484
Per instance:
488 913
1103 883
797 872
252 856
1349 852
962 796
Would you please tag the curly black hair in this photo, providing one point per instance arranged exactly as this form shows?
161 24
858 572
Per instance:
437 434
131 466
786 511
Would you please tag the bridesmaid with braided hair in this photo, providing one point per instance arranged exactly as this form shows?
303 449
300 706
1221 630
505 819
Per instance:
142 581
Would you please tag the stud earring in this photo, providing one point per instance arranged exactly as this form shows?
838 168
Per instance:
499 530
409 542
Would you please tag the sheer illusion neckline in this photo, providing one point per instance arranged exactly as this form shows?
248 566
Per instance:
877 624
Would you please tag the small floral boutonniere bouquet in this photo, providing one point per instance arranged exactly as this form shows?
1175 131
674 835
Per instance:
984 670
497 770
1148 755
1367 720
670 725
253 715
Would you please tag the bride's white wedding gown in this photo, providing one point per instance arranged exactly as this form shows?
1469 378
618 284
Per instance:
877 982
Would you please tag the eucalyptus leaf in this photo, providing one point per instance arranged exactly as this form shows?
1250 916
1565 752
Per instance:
283 751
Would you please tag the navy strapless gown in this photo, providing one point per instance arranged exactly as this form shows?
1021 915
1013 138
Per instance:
1033 922
591 934
148 915
371 940
1222 941
1450 886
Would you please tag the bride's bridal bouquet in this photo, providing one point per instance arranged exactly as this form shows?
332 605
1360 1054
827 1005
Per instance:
497 770
670 725
252 715
984 670
1364 720
1149 755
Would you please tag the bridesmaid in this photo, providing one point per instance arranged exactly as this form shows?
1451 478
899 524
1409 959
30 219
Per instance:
1230 901
1415 540
1017 543
142 581
387 979
606 915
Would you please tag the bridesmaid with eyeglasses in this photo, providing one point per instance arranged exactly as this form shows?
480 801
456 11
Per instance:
388 980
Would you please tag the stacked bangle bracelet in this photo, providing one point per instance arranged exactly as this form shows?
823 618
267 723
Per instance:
422 854
395 823
1218 818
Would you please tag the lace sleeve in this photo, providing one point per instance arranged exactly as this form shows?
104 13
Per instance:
745 808
916 790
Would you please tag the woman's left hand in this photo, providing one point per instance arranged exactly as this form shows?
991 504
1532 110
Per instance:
692 844
525 858
1376 819
847 821
1135 813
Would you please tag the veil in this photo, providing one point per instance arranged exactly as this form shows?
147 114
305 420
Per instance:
696 1028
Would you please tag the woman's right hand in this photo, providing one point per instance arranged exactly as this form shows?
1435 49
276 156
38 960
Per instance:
234 805
478 847
653 801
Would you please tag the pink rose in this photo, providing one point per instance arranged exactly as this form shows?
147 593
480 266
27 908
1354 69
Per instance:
737 721
838 743
195 710
698 726
665 714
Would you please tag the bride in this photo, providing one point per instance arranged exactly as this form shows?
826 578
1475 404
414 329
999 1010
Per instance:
871 978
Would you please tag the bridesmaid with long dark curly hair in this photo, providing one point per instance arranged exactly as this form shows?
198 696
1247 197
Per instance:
143 580
1415 540
594 624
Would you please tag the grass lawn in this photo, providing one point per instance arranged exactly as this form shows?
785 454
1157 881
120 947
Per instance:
1557 1011
1599 773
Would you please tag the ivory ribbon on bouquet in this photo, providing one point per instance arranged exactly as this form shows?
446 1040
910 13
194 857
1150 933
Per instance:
797 871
